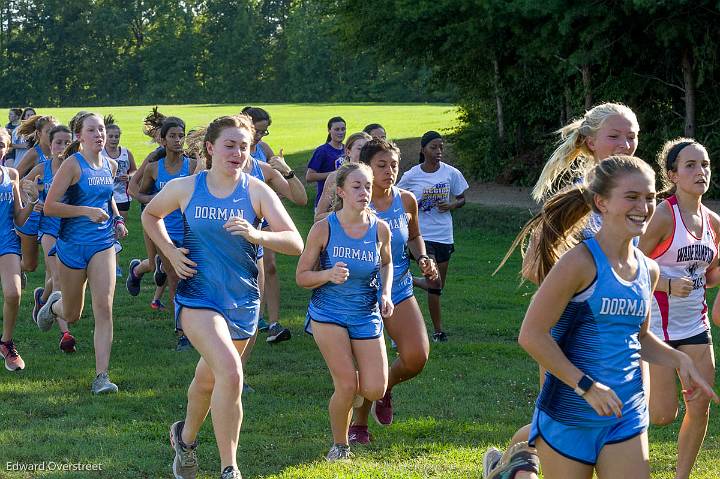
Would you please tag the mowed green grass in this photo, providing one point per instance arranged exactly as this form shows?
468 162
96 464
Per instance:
475 391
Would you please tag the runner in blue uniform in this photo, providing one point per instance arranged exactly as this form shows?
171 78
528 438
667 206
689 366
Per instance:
49 228
11 212
37 130
81 195
398 208
218 300
352 247
588 327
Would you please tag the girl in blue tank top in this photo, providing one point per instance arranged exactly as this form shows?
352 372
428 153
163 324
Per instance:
174 164
37 130
11 212
281 178
218 299
49 229
81 196
398 208
344 315
587 326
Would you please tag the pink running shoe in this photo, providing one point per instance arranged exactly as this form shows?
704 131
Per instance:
157 305
13 361
67 342
382 410
359 435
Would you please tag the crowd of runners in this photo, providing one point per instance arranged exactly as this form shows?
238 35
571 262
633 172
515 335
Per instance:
619 316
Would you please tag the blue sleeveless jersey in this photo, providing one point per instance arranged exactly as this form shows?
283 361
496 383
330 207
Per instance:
9 241
259 154
173 221
257 172
48 224
94 189
397 219
41 158
356 297
598 332
226 277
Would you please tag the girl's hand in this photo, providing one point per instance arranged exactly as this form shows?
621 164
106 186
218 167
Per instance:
97 215
183 266
428 268
339 273
693 383
603 400
38 206
30 188
242 227
681 287
444 205
123 178
386 306
278 162
120 230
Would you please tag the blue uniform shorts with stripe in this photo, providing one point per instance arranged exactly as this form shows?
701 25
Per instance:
241 322
584 443
31 226
401 290
77 256
362 328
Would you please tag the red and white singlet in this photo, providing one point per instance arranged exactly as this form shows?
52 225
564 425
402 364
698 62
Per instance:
683 255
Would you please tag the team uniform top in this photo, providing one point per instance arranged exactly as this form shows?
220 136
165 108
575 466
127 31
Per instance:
120 188
397 219
599 333
31 225
356 298
173 221
259 154
94 189
226 277
683 255
48 224
9 241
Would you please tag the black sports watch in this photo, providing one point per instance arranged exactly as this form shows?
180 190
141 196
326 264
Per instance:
290 175
584 385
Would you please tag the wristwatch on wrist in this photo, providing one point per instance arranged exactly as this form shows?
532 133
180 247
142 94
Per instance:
290 175
584 385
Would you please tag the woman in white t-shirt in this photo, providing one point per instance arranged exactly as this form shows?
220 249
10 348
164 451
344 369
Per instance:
439 189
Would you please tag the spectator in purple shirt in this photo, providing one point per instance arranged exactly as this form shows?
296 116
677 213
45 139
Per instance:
327 157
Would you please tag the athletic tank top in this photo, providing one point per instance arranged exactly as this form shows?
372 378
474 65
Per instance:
356 297
94 189
173 221
259 154
256 170
41 158
599 333
683 255
48 223
397 219
120 188
7 204
226 264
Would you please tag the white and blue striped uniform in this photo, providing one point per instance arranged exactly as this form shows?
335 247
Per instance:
226 278
397 219
599 333
9 241
354 303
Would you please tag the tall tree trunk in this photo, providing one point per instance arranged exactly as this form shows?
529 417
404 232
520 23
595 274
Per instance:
586 86
689 83
498 102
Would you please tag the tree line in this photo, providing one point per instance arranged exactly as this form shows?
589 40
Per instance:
101 52
521 69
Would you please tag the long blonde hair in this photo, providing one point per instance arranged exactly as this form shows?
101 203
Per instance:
572 157
556 226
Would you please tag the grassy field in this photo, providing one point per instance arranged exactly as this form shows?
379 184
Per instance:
475 391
